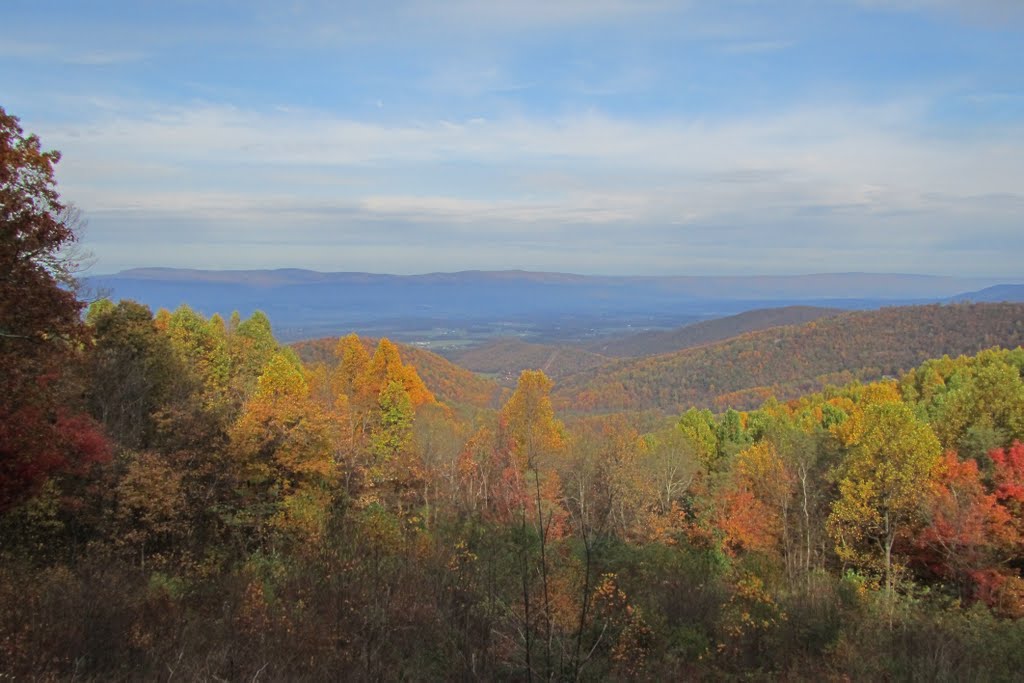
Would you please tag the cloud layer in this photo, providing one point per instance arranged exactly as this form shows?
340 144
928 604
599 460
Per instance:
718 147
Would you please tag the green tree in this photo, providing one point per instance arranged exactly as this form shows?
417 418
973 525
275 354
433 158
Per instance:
202 348
133 372
251 343
699 427
395 467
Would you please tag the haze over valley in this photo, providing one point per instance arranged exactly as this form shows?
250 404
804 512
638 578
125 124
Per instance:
448 310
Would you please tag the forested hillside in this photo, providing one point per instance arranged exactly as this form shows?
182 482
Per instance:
507 358
449 382
788 361
709 331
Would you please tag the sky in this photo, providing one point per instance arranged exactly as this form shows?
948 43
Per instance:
588 136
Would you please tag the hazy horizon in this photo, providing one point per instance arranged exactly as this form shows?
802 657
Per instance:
1008 278
795 274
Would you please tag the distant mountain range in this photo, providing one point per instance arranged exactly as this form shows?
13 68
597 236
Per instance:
305 304
1013 293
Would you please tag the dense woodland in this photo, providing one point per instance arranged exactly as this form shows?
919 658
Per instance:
655 342
788 361
183 497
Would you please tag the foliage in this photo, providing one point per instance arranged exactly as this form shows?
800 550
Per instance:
43 431
883 485
450 383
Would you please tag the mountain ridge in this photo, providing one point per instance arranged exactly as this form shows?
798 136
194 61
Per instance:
708 331
787 361
284 276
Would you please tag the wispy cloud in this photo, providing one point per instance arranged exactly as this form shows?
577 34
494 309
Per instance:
505 14
470 80
64 54
985 10
756 47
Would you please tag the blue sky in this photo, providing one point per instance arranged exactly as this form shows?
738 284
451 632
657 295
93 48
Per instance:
590 136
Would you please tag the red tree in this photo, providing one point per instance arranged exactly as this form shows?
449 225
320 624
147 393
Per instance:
41 332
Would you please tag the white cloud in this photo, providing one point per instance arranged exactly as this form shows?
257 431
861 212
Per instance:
983 10
756 47
848 179
508 14
66 54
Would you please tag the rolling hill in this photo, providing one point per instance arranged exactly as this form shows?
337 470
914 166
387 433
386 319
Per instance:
506 358
708 331
787 361
997 293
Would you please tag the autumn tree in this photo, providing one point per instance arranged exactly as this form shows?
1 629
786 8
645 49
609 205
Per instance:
531 434
604 483
202 348
151 506
41 332
974 404
386 366
803 445
970 533
883 487
757 503
352 361
391 441
700 429
283 456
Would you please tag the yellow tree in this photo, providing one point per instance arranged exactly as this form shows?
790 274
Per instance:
364 379
386 366
529 431
883 487
352 361
394 463
283 454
